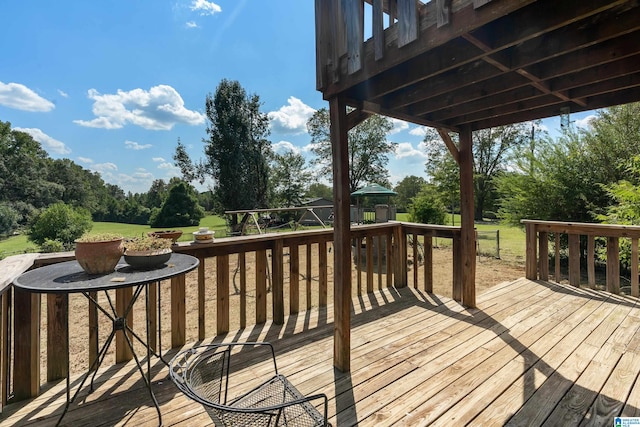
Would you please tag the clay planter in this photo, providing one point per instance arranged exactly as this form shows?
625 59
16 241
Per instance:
174 235
99 257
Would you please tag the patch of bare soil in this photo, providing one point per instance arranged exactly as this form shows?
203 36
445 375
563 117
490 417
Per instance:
489 272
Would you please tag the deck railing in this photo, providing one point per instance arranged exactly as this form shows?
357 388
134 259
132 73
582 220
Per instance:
284 265
537 251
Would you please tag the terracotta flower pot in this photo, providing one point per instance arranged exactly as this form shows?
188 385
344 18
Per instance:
99 257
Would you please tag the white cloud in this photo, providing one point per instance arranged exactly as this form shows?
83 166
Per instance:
159 108
158 159
105 167
283 147
292 118
191 24
398 126
63 93
205 7
132 145
167 165
419 131
50 144
20 97
408 153
85 160
585 122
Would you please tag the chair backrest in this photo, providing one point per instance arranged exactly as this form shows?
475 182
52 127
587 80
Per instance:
203 371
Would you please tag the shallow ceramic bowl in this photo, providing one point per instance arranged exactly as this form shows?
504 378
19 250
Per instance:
147 259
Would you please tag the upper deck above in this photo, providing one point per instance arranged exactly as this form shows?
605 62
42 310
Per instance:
478 63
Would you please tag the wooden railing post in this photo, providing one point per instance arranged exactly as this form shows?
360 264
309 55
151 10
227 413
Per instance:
591 261
574 259
277 280
57 330
613 265
400 270
26 362
178 311
123 297
531 263
202 326
543 255
222 294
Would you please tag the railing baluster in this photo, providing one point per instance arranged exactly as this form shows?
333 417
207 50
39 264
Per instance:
57 306
202 328
634 267
613 265
123 297
222 294
543 255
294 279
414 244
591 261
428 263
556 242
574 259
322 274
242 264
178 311
261 286
369 262
308 278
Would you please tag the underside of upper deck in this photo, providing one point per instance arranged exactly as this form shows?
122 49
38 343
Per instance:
532 353
478 63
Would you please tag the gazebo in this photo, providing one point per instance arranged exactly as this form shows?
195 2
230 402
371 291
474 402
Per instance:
373 190
461 66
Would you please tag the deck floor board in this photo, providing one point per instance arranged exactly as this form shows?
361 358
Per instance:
532 353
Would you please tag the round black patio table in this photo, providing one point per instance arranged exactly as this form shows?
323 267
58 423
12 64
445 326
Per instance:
68 277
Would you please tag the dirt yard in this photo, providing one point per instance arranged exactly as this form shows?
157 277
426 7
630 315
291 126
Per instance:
489 273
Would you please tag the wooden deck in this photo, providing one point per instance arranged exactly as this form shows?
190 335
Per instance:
533 353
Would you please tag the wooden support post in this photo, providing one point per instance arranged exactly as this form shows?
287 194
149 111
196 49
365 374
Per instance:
222 294
467 228
543 255
26 362
178 312
342 236
123 297
613 265
574 259
57 331
277 280
531 257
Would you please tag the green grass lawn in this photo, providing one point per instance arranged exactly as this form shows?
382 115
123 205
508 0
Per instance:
512 239
20 244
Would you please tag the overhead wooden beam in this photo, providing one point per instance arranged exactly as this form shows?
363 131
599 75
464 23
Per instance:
450 144
355 117
342 235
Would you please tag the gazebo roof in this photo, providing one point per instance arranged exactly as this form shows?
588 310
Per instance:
373 190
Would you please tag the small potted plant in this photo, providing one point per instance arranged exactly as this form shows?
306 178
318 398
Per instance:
147 251
174 235
99 253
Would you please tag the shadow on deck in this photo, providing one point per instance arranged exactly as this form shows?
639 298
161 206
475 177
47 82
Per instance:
533 353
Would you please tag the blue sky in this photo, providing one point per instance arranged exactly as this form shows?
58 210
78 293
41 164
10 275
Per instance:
112 85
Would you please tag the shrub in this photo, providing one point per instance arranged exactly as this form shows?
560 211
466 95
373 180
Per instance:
425 208
9 218
60 222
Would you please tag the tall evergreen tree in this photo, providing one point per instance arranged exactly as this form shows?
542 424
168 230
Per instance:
237 151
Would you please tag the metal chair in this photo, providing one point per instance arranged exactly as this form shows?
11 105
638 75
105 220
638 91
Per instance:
202 373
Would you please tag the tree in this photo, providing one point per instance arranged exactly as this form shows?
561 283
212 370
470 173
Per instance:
493 150
290 179
426 208
319 190
407 189
180 209
368 148
237 151
60 222
8 219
